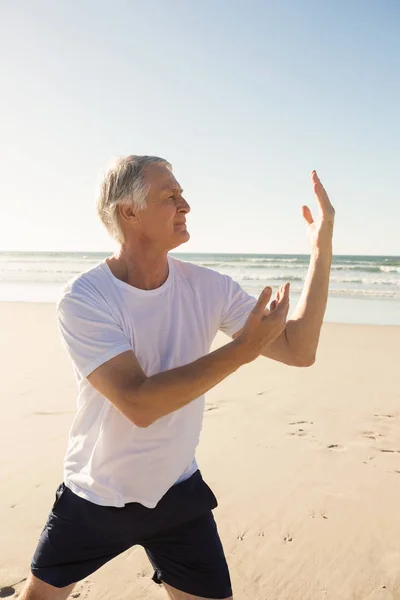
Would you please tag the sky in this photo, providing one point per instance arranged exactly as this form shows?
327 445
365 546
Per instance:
244 98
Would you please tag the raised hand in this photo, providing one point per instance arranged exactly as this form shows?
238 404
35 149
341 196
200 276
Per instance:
320 231
260 328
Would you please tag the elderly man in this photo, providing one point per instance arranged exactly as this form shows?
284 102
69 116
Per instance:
138 328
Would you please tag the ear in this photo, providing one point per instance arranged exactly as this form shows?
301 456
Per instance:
127 214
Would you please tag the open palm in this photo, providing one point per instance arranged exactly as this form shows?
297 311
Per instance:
319 231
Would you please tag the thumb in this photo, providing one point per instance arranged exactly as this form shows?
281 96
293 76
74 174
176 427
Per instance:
307 215
262 301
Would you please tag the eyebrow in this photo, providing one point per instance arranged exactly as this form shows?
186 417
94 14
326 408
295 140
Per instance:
172 189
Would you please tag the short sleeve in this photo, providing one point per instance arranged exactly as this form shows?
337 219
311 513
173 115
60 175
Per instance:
236 308
89 332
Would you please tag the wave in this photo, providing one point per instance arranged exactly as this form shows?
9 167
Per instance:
279 264
247 265
38 267
259 278
367 269
255 287
366 281
391 269
367 293
66 272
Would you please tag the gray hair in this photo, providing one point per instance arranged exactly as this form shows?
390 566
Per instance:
123 183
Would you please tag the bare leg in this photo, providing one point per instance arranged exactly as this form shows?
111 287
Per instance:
177 595
35 589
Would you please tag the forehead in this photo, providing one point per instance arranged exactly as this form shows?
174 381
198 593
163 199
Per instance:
160 178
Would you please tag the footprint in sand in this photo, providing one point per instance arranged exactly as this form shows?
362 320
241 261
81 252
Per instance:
387 422
313 515
83 590
301 431
336 447
371 435
385 416
144 572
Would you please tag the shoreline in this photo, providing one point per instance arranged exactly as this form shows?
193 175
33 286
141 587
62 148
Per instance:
340 311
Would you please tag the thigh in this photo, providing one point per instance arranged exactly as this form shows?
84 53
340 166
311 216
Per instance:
78 538
190 559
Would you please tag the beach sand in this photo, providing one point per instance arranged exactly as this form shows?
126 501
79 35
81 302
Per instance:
305 464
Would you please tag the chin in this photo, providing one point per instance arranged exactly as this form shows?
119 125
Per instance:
181 239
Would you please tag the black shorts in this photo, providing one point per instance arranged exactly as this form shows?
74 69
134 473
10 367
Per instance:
179 536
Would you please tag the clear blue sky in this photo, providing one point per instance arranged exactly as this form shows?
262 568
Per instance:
244 98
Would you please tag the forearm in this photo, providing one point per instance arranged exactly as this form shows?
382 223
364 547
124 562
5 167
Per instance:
166 392
304 327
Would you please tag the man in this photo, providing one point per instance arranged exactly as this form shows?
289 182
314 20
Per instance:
138 328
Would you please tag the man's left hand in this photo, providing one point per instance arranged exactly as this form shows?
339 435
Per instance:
320 232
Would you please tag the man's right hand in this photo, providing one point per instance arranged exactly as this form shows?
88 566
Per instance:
260 329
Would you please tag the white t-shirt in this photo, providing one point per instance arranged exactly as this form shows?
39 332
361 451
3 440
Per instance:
110 461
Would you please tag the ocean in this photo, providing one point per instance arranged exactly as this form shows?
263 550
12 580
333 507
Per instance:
363 289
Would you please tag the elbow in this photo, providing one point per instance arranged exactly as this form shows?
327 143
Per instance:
305 361
138 411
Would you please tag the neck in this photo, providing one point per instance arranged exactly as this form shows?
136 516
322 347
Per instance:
143 268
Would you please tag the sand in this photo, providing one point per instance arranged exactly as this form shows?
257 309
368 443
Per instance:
305 464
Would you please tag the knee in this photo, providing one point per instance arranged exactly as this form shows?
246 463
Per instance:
36 589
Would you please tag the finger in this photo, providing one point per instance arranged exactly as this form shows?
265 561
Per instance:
307 215
262 301
282 309
286 289
273 305
320 193
285 294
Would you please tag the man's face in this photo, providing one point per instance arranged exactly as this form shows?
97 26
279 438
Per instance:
163 221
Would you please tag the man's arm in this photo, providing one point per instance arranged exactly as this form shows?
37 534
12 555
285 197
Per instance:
144 399
297 345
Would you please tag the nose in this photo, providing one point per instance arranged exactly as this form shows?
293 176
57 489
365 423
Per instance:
184 207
